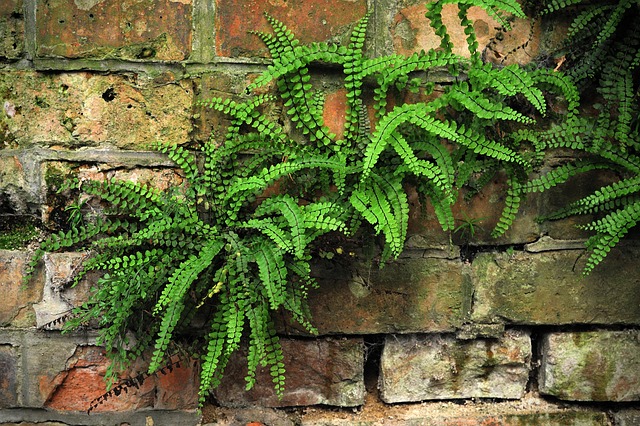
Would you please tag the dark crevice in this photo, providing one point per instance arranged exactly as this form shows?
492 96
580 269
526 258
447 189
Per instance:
109 95
373 345
468 252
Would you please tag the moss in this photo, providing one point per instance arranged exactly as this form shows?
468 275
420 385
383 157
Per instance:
18 235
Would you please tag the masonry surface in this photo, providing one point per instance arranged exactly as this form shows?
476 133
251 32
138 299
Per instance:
514 336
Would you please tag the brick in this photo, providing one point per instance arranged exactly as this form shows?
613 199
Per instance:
9 377
316 20
548 288
58 298
122 29
559 197
16 298
17 192
55 213
407 295
322 371
178 389
411 32
427 367
82 380
71 110
11 29
591 366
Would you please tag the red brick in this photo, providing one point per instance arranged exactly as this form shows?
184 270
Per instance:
316 20
411 31
178 389
83 380
123 29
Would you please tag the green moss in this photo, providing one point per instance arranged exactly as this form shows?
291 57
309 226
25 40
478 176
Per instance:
18 236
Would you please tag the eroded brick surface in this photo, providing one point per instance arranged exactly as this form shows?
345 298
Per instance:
316 20
415 368
73 110
591 366
11 29
123 29
322 371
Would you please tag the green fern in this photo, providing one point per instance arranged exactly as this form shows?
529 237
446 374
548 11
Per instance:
234 245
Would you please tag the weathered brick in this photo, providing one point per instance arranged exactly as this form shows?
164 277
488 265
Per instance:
9 376
407 295
411 32
17 192
55 212
11 29
316 20
559 197
82 380
426 367
549 288
58 298
82 109
16 298
122 29
178 388
322 371
591 366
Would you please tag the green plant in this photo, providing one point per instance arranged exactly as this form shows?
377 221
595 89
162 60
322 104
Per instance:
233 247
604 52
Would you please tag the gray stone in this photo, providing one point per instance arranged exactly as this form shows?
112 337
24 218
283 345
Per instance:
415 368
591 366
321 371
549 288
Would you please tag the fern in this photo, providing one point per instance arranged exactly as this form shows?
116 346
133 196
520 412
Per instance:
233 246
605 45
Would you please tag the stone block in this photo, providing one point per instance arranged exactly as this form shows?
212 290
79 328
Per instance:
9 376
11 29
591 366
407 295
148 30
72 110
317 20
321 371
548 288
428 367
17 299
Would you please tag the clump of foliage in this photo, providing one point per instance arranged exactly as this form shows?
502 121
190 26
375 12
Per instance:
602 57
234 246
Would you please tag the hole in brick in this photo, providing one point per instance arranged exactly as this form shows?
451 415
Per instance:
129 106
61 21
16 15
109 95
91 15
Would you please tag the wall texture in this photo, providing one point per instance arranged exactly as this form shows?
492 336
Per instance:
512 334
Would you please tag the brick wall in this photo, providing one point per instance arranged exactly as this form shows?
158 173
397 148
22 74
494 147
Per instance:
509 336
